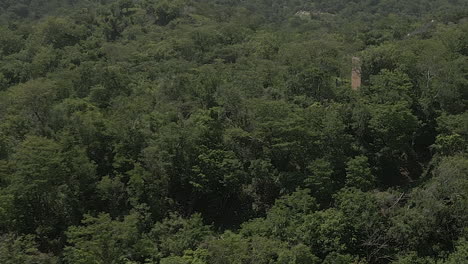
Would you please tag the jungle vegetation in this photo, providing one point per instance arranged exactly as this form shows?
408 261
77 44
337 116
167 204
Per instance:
227 132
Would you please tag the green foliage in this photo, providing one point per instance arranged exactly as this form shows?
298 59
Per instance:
460 254
424 227
284 217
49 188
321 178
199 131
393 127
22 249
391 87
103 240
166 11
174 234
358 174
30 109
453 134
232 248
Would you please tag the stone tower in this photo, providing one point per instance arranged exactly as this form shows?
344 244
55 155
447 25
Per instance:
356 74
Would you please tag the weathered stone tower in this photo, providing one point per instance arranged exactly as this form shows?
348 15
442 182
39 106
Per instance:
356 74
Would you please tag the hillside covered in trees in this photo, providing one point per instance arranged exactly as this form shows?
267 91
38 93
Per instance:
227 132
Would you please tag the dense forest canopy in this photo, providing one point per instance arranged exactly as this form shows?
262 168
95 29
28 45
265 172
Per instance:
227 132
